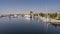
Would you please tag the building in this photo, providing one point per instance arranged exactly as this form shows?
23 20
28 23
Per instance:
28 14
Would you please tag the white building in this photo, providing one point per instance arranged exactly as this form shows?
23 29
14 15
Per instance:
28 14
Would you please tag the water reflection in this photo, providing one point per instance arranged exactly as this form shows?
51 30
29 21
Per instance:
9 18
56 25
27 26
45 25
28 18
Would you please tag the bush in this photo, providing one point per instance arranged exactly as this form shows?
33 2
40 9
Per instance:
42 14
54 15
35 14
58 18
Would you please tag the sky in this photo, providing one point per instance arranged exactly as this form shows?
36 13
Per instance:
19 6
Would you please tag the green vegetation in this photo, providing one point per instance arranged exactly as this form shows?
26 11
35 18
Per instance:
42 14
35 14
50 15
58 18
54 15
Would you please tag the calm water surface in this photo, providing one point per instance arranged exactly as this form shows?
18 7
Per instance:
23 25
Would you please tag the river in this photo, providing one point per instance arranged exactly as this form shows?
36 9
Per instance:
21 25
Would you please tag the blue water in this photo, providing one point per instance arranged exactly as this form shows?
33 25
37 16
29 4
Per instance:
23 25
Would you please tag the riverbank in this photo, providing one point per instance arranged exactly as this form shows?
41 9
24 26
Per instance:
44 19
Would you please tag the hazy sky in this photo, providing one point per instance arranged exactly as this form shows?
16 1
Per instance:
18 6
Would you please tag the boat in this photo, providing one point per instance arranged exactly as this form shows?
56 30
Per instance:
28 16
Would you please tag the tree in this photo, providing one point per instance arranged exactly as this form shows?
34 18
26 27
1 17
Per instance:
35 14
42 14
54 15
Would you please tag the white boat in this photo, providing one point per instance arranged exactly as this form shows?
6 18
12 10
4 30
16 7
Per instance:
27 16
15 16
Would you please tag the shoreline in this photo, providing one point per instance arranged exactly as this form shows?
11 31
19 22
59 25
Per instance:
44 19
